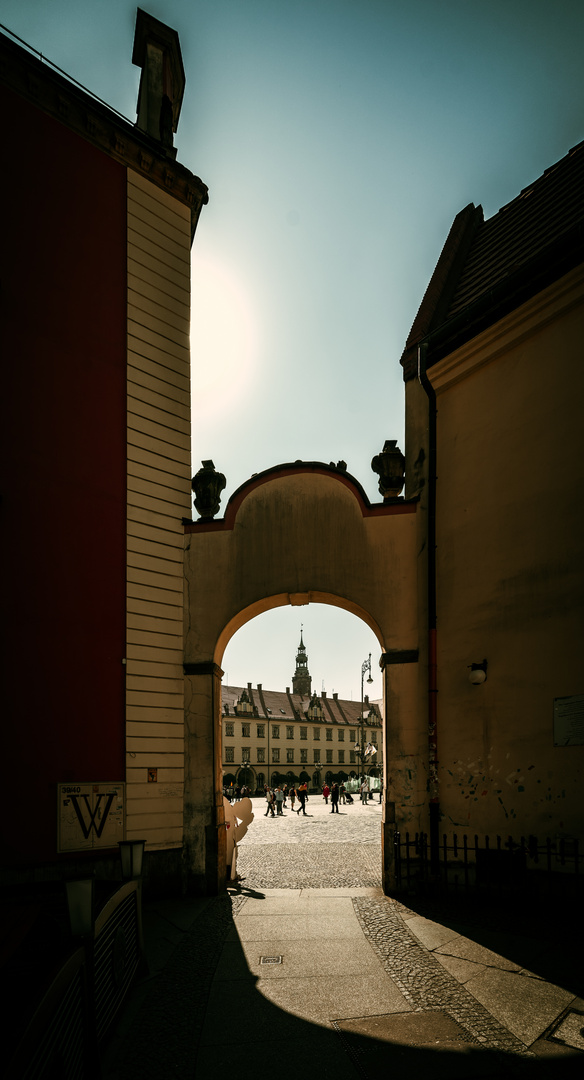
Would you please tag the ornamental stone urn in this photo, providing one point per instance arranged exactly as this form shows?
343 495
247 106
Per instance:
390 465
207 485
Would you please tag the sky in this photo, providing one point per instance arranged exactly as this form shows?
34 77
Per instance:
338 139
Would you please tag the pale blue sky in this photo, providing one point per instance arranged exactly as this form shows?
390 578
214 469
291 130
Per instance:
338 138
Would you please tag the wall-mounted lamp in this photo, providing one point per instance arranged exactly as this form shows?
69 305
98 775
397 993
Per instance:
80 905
131 854
478 673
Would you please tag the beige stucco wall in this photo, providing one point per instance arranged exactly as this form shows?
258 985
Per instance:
509 562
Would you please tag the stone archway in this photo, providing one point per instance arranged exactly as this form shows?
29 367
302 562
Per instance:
296 534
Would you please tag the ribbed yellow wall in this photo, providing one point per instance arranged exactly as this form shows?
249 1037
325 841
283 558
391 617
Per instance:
158 498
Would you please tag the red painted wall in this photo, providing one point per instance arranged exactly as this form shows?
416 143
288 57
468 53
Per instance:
63 471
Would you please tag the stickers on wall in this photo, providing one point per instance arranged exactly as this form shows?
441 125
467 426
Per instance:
90 816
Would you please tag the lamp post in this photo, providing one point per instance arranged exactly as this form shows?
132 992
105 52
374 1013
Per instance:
360 750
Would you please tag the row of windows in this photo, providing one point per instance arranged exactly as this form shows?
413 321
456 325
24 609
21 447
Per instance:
290 732
261 756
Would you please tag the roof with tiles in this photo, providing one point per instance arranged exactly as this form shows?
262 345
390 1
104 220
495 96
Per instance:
488 268
285 706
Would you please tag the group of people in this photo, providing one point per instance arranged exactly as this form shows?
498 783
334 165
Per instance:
276 799
234 794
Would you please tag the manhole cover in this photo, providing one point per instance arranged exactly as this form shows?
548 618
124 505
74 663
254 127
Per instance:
570 1030
271 959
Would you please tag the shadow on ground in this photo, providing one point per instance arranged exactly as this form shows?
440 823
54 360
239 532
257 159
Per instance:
185 1021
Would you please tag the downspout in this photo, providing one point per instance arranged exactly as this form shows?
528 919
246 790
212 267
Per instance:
433 789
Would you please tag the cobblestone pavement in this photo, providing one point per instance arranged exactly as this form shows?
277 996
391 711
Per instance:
357 823
423 980
320 851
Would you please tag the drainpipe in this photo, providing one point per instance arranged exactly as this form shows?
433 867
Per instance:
433 791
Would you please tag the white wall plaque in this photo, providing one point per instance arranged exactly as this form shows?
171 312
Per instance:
569 720
90 816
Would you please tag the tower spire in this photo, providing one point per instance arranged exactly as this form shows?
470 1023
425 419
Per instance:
301 680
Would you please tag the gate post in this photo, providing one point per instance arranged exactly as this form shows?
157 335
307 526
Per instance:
204 845
388 854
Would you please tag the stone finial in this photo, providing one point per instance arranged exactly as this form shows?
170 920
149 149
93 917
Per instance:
390 465
207 485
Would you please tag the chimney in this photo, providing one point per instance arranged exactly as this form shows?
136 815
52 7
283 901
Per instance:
162 82
336 696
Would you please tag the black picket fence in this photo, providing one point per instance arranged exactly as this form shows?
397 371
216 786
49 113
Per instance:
469 865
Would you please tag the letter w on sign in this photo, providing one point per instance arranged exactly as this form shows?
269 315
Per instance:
95 820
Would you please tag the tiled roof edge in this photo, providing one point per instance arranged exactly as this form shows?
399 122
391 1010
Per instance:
443 283
508 294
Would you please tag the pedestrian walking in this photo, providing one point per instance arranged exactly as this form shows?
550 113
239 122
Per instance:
302 799
325 794
335 799
279 801
270 802
342 794
292 794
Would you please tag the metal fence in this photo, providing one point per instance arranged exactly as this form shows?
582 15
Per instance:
472 865
69 1023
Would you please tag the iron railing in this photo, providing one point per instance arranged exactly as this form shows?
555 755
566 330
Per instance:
469 864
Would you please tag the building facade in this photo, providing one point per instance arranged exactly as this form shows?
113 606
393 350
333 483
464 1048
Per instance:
95 458
494 380
273 737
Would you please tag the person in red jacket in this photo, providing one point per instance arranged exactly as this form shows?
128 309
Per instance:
325 793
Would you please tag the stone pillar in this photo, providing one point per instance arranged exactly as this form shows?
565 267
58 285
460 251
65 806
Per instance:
404 747
204 818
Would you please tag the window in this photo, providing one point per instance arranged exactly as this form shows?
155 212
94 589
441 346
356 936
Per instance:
341 735
352 757
303 733
261 755
341 757
329 734
351 736
373 736
229 732
303 757
289 731
316 733
316 757
290 757
229 753
329 757
261 729
275 731
245 755
245 730
275 755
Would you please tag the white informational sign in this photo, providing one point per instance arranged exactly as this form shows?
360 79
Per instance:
569 720
91 816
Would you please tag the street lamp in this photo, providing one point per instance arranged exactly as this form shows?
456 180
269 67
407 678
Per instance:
360 749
